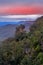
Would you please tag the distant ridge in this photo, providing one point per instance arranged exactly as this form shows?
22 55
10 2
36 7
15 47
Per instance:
8 30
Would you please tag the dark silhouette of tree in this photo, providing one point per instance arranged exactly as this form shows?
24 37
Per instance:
20 32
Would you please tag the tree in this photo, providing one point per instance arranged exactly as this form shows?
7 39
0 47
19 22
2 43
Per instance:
26 61
20 33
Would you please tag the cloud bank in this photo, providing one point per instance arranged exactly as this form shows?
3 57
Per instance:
17 18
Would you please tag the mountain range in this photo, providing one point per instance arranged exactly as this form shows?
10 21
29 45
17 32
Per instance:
8 30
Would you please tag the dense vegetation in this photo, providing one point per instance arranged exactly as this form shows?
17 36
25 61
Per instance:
26 48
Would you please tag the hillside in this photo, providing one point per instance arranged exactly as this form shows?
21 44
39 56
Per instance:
26 48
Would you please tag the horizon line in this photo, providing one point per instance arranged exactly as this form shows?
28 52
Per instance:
21 16
17 18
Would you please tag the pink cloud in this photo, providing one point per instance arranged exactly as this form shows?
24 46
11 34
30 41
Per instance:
33 9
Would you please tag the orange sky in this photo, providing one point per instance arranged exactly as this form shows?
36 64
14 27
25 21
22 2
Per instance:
21 10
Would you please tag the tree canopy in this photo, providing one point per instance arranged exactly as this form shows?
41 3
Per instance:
26 48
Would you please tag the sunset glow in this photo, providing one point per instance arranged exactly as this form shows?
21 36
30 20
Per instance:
12 10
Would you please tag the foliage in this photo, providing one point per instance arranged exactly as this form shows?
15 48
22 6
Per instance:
26 48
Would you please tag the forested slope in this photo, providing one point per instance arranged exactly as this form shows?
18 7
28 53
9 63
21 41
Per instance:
26 48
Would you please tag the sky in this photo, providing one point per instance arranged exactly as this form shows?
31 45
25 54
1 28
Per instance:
21 7
17 18
14 10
